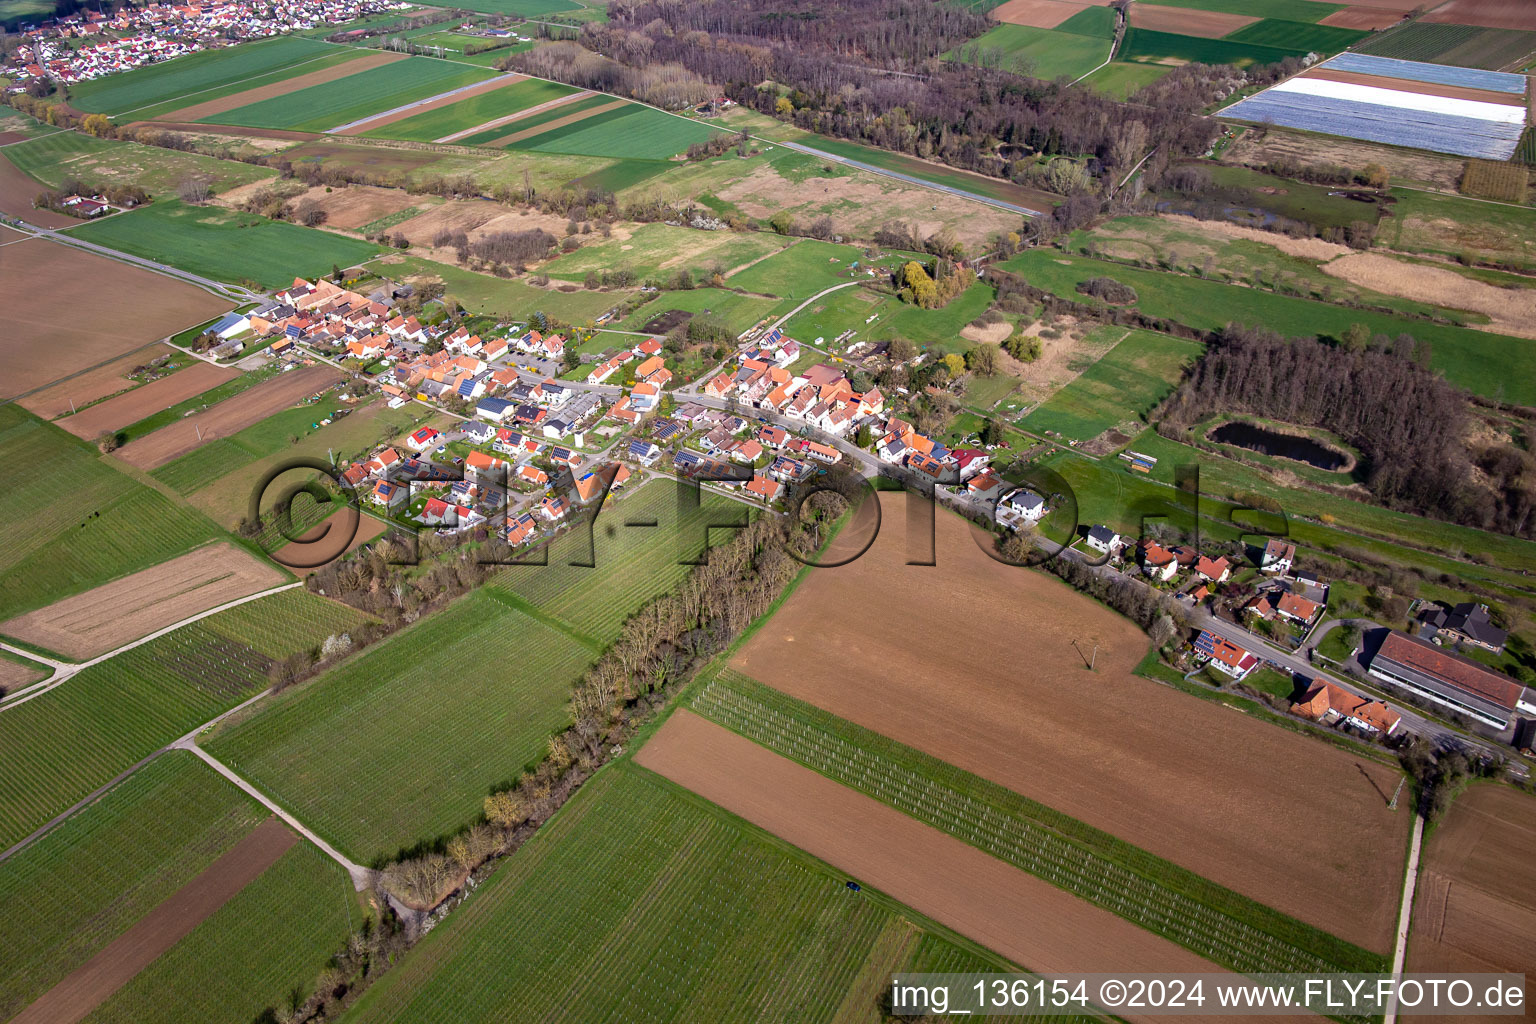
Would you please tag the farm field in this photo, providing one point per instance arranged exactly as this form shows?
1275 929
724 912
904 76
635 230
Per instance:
1473 908
468 113
1451 225
331 105
1153 753
1144 890
523 8
71 893
632 566
55 158
1041 52
1124 385
1491 13
1295 35
114 524
106 617
739 311
678 907
226 245
118 412
1167 48
191 76
16 672
65 308
68 742
496 296
659 251
1290 10
435 717
209 103
1480 361
800 270
17 193
569 111
629 131
1120 79
227 417
1492 49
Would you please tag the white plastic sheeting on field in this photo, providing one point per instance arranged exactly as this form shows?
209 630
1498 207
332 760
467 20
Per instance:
1436 74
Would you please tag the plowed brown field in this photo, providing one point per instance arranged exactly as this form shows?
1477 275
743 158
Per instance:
1187 21
1475 906
227 417
88 987
224 104
92 385
1363 18
1036 13
1029 921
106 617
67 310
151 398
1487 13
984 665
17 190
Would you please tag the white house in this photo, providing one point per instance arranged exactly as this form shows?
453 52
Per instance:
1103 540
1023 503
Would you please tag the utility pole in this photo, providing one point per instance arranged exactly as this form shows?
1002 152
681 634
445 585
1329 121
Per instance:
1093 659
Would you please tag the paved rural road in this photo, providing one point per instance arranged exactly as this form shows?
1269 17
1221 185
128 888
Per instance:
910 179
409 106
1405 913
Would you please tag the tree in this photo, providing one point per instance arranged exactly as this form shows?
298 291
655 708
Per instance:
108 441
194 190
784 108
992 433
902 350
954 362
1356 337
983 360
915 286
1374 175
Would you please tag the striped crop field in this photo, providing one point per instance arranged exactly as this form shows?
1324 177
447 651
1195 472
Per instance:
630 131
113 524
69 894
192 79
531 121
632 564
1126 383
420 726
1462 45
73 739
476 110
1217 923
268 942
642 902
320 108
1289 10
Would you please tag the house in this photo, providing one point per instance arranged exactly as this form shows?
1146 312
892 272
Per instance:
823 453
564 456
480 465
1278 556
384 464
773 437
437 512
643 452
1450 680
533 475
1328 703
1284 604
649 347
719 385
603 371
388 494
421 440
985 484
764 487
1023 504
1223 655
554 507
1467 623
1103 540
494 409
231 324
521 528
970 461
665 429
649 369
747 452
644 396
1213 570
786 469
477 432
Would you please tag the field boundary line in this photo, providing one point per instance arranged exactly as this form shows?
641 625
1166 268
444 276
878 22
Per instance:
506 80
497 122
212 88
33 139
1405 914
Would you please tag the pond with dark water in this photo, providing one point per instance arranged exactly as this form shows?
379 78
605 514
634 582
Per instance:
1284 446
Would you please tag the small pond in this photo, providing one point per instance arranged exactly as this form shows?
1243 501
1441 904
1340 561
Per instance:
1285 446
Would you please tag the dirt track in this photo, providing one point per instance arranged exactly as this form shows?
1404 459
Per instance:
66 310
500 82
98 978
1458 92
224 104
106 617
150 398
227 417
1475 907
1029 921
1188 22
984 665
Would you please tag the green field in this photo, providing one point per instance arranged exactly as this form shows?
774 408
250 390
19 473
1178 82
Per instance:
622 174
661 250
523 8
1290 10
191 78
102 162
402 743
1143 45
534 120
993 188
66 896
642 902
800 271
170 109
1453 226
330 105
1119 80
75 738
62 540
739 311
476 110
253 954
226 245
504 297
1484 363
14 12
1292 35
1170 901
1461 45
630 131
1039 52
633 564
1125 384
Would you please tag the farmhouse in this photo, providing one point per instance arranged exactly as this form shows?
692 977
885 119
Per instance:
1286 605
1217 570
1157 562
1278 556
1327 703
1450 680
1223 655
1466 623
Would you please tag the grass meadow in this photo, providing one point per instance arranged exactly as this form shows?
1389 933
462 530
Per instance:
631 131
1046 53
73 521
640 901
1289 10
660 251
1125 384
103 162
402 743
476 110
737 310
1119 80
1487 364
330 105
800 270
1144 45
1454 226
504 297
225 244
66 743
